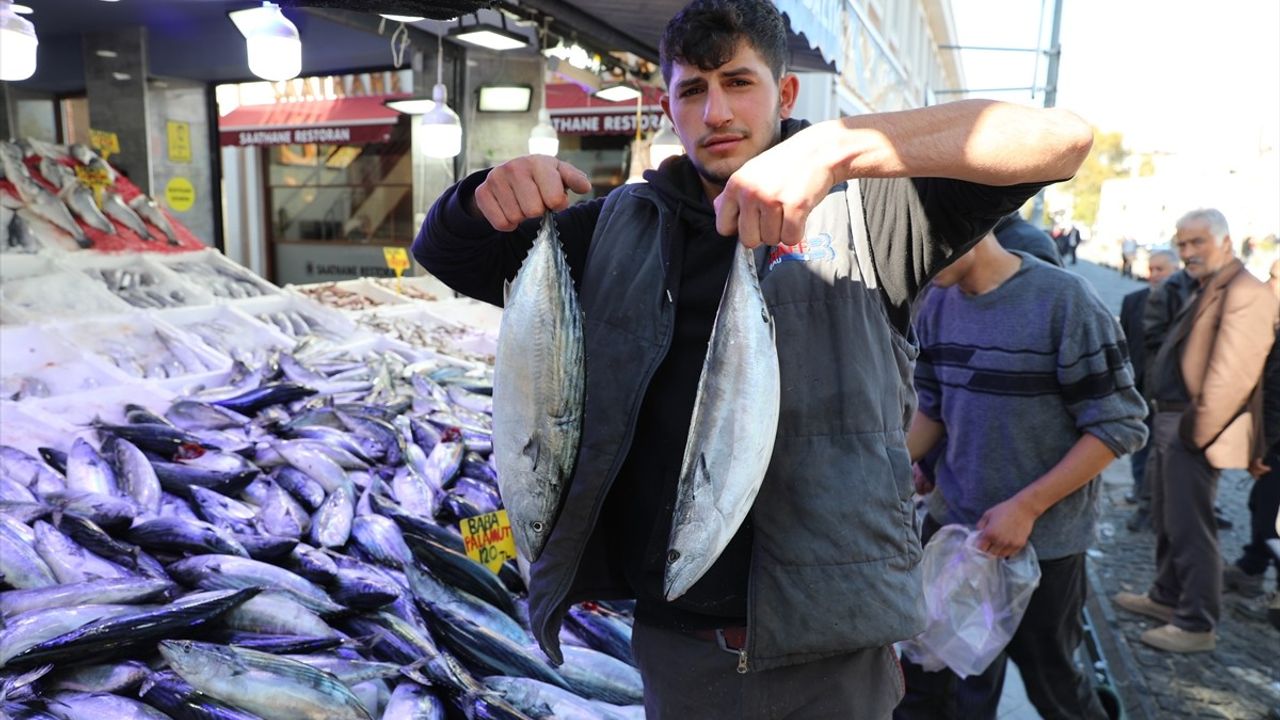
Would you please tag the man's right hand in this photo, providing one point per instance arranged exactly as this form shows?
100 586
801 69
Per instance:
525 188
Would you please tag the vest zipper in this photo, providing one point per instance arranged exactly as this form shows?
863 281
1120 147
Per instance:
742 661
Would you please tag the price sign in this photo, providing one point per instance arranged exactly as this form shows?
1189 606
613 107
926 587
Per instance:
398 260
180 194
179 141
95 180
106 143
488 539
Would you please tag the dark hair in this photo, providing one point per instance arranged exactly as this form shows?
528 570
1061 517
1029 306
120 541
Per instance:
707 32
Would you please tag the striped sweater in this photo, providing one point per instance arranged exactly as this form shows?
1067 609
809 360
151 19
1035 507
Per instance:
1016 376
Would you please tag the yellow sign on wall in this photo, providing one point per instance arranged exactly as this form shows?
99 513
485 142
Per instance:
179 141
180 194
106 143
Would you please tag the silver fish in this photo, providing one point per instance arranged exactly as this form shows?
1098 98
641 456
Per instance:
29 629
88 472
539 386
47 205
135 476
122 591
95 706
148 210
331 525
105 677
47 234
264 684
735 421
276 613
115 207
22 566
58 175
69 561
80 199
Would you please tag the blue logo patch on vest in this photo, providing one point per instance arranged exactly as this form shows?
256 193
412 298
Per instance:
815 249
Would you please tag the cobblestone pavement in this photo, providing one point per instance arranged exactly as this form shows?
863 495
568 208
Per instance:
1241 678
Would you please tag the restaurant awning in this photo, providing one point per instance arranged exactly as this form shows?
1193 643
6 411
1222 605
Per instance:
574 111
351 120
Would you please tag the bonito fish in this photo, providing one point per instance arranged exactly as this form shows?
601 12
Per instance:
538 390
735 420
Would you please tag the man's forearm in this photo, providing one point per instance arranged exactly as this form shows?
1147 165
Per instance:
981 141
1082 463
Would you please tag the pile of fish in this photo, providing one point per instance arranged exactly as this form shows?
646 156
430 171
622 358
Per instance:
399 287
140 287
232 339
426 332
152 354
335 296
222 281
39 217
298 324
284 546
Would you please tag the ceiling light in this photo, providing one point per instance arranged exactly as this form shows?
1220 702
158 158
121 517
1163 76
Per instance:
543 139
106 53
441 129
121 77
21 9
489 36
617 93
410 106
402 18
665 144
17 45
505 98
272 42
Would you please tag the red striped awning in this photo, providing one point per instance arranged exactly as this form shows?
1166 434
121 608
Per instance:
352 120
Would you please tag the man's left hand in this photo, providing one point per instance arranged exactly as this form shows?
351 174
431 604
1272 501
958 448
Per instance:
1004 529
767 201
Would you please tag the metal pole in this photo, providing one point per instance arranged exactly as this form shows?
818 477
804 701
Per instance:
1050 93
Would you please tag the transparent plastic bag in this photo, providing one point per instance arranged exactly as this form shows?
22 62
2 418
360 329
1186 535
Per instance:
975 602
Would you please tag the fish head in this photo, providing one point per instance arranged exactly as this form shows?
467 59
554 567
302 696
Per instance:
189 659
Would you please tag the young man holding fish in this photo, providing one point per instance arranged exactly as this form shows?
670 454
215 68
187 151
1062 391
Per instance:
848 220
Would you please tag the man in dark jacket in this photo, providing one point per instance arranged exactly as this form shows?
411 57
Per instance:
851 218
1160 265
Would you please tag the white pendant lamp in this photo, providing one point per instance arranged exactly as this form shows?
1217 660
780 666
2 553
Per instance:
543 139
17 45
272 41
665 143
441 129
402 18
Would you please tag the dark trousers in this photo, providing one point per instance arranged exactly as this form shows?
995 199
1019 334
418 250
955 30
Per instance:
1043 647
686 677
1264 503
1188 559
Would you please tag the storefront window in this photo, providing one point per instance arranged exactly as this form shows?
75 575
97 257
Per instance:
350 194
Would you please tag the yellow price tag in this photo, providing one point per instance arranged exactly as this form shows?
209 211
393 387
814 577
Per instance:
398 260
95 180
106 143
488 539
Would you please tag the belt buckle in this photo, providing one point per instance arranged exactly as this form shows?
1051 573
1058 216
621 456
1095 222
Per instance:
723 644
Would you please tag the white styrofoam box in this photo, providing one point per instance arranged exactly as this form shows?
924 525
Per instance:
130 343
15 266
330 294
472 313
221 276
414 288
79 410
415 325
165 288
62 294
229 331
331 324
34 352
26 428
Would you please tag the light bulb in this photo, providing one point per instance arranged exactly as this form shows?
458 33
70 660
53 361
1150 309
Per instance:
543 139
441 129
271 40
17 45
401 18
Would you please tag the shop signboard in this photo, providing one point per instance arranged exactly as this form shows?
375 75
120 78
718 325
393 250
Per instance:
303 262
350 135
602 123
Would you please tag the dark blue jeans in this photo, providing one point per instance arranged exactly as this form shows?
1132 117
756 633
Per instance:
1043 648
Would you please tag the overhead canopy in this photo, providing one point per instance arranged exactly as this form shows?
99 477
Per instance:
637 27
354 120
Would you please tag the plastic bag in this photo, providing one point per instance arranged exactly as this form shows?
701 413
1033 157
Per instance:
975 602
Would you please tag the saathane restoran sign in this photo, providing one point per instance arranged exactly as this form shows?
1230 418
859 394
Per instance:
354 134
571 123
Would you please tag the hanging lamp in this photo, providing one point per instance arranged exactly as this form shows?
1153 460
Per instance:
442 131
17 45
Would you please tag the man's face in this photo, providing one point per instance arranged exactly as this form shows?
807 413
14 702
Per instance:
1201 254
1159 267
727 116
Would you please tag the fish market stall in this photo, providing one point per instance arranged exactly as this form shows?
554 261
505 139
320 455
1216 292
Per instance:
221 498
